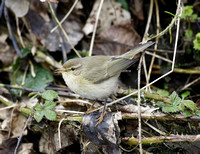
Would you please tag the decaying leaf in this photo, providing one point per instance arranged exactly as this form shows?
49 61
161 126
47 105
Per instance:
123 34
6 52
52 41
105 135
137 9
26 148
68 136
18 122
19 7
111 13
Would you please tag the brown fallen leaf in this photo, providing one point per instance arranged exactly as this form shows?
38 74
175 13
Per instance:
111 13
122 33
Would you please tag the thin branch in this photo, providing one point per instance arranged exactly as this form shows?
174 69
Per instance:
60 26
21 135
11 33
157 38
138 104
2 7
162 139
157 56
65 17
160 116
189 84
95 28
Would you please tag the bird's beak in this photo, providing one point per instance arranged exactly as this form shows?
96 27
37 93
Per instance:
59 71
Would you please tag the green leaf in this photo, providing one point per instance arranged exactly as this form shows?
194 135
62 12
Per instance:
123 3
38 107
187 113
181 107
85 53
196 42
168 109
49 95
38 115
175 98
49 105
163 92
188 33
25 52
197 112
194 16
41 79
50 115
185 94
188 11
169 13
189 104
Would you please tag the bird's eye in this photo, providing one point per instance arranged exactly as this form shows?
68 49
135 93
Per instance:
72 68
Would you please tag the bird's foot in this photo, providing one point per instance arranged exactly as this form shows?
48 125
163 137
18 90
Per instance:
100 119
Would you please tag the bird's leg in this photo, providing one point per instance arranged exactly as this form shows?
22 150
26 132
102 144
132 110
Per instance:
91 108
100 119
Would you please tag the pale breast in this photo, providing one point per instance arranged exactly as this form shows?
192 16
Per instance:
90 90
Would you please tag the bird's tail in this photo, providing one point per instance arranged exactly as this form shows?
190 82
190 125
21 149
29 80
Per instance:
130 54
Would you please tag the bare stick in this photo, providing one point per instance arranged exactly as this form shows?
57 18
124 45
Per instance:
139 108
160 139
95 28
191 83
20 137
60 26
157 38
11 33
65 17
158 56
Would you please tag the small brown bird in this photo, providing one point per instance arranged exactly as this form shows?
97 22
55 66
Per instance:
96 77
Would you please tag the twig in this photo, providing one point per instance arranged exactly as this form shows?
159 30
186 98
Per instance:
157 56
160 139
145 35
139 108
180 70
65 17
156 44
21 88
160 116
19 32
95 28
48 59
20 137
60 26
11 33
189 84
74 100
59 138
69 111
2 7
148 21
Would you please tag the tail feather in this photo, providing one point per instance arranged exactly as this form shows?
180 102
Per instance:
130 54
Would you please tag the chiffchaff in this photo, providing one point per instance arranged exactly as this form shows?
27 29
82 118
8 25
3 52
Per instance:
96 77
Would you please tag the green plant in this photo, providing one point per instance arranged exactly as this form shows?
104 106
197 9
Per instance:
44 109
179 105
188 15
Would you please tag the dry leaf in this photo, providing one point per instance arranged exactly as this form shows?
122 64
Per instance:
122 33
25 148
111 13
19 7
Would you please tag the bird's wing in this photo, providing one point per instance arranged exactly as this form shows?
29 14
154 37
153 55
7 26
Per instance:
106 67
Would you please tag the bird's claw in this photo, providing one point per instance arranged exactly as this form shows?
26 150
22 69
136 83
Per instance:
100 119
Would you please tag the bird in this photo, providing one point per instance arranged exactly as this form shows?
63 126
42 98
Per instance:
96 77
